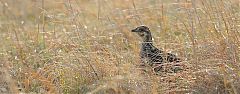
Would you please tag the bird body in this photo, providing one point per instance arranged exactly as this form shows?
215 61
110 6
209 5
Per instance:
149 53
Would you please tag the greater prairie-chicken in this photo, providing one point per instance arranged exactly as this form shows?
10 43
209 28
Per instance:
151 55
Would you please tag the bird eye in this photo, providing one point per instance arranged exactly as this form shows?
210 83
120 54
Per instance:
141 29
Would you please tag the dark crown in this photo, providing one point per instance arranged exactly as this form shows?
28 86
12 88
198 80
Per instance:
141 29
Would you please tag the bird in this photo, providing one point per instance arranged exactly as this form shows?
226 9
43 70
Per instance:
151 55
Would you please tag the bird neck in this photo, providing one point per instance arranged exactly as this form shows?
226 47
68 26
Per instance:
147 45
148 38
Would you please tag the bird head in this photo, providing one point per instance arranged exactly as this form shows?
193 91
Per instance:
144 33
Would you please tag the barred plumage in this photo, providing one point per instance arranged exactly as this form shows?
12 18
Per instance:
150 54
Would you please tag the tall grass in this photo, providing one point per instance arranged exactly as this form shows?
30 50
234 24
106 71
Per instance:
85 46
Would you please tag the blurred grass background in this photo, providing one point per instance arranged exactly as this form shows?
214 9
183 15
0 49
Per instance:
85 46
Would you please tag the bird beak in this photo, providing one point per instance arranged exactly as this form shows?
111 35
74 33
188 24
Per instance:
134 30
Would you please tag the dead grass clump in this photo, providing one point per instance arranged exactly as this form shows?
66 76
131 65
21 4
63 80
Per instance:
214 81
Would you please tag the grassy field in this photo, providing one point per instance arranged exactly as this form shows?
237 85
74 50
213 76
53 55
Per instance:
85 46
